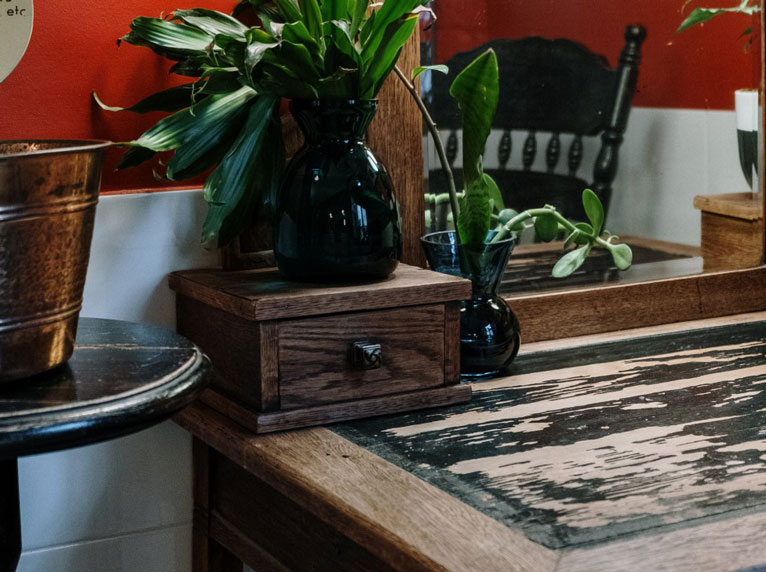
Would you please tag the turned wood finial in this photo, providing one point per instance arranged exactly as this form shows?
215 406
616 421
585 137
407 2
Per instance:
606 163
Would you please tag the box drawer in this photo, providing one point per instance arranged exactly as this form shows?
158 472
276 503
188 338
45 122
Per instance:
316 364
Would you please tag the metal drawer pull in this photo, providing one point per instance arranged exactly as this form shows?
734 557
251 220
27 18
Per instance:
366 355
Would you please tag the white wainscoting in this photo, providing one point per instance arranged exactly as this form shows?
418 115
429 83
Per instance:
667 157
125 505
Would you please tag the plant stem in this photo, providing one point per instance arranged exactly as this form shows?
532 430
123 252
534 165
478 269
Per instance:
523 216
434 131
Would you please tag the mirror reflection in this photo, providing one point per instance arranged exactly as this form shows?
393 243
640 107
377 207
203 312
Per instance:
639 113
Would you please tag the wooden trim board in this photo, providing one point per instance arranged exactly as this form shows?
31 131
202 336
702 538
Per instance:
623 306
393 514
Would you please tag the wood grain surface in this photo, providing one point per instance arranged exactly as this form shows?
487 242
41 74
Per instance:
746 206
639 452
731 242
314 365
580 447
265 295
267 422
396 138
609 308
234 346
397 517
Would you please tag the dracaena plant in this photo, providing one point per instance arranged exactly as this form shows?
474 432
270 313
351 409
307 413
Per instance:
226 117
478 212
701 15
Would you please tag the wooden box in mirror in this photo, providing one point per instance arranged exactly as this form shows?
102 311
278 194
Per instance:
732 230
290 354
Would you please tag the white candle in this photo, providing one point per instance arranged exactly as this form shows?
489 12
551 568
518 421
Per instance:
746 106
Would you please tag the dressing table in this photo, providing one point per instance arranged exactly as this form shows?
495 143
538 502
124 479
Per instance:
640 449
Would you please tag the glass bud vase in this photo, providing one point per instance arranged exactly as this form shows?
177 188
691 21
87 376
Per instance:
336 216
489 330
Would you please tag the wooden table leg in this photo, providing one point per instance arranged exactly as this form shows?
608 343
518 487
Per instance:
207 554
10 517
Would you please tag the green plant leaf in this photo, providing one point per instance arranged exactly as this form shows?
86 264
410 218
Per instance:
697 16
441 68
383 61
174 130
220 81
189 67
594 210
494 193
701 15
135 156
358 11
546 227
168 100
289 9
254 54
376 26
271 21
168 38
211 21
584 233
337 85
334 10
475 215
570 262
341 51
227 185
264 185
622 255
476 91
295 56
581 235
206 144
505 216
312 19
298 33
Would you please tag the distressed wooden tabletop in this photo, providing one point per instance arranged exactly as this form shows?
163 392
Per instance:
617 441
122 377
636 450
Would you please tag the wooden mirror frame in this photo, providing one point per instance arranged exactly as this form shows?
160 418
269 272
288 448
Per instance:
600 309
396 137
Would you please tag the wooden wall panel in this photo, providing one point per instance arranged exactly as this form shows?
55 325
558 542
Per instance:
396 139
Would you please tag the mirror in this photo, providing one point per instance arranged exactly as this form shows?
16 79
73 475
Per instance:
16 17
681 139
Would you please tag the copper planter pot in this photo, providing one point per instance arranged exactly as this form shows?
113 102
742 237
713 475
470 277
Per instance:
48 195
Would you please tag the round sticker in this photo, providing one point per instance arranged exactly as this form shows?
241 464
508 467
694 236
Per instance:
16 17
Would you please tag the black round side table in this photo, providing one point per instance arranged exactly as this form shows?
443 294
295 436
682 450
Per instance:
122 377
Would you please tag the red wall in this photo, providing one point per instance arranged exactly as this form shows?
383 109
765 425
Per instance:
73 51
697 69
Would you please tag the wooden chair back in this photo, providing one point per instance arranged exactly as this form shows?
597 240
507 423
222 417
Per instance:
557 87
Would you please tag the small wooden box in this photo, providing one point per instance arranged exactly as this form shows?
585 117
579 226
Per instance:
290 354
732 230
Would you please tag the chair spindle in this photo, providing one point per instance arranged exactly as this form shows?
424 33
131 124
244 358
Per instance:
504 149
575 155
553 152
530 150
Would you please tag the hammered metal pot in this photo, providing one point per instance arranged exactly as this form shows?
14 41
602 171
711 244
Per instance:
48 195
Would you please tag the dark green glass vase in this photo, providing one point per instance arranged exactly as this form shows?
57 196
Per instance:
489 330
336 216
